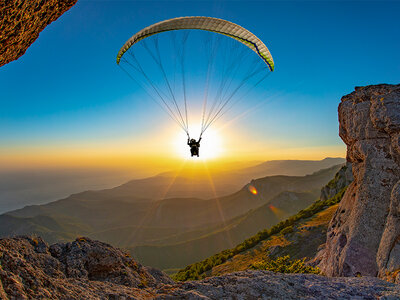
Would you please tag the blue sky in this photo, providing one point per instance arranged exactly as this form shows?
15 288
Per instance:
67 89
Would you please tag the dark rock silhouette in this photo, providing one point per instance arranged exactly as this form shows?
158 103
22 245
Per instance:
362 238
21 21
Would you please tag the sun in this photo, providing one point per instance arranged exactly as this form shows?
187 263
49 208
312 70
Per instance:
211 145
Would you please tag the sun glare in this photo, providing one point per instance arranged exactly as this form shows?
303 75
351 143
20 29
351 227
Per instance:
210 145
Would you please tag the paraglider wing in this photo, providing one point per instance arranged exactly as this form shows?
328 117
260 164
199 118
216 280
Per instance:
208 24
226 76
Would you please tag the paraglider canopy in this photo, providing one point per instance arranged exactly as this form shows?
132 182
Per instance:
240 69
204 23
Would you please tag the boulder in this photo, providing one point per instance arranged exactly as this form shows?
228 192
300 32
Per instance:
83 269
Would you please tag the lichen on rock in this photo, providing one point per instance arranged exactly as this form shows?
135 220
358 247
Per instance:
21 21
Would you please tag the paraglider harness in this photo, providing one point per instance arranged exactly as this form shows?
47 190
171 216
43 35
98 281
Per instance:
194 146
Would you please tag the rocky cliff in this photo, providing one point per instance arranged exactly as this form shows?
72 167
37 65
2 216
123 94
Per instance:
363 236
342 179
21 21
87 269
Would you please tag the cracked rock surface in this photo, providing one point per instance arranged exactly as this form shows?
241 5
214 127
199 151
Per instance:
21 21
87 269
363 236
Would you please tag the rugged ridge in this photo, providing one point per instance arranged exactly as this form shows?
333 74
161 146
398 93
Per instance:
87 269
21 21
32 269
342 179
362 237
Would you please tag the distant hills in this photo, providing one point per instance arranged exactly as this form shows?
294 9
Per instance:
21 188
278 198
170 232
300 236
234 178
291 167
200 245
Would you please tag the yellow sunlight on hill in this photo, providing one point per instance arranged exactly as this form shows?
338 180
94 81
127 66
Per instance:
211 145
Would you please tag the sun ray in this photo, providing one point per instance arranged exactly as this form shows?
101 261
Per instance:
154 203
218 203
269 100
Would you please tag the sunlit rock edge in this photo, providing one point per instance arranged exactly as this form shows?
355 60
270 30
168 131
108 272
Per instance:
363 235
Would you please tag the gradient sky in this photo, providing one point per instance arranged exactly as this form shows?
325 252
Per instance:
65 102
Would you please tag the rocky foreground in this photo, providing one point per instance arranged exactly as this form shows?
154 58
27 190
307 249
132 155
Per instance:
87 269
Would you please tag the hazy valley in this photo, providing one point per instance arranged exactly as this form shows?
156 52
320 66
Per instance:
159 215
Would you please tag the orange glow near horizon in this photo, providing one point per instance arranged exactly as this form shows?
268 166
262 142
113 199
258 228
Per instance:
161 150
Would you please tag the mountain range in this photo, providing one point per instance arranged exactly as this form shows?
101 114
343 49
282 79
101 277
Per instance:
137 216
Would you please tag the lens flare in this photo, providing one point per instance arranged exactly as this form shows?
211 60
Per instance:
277 212
253 190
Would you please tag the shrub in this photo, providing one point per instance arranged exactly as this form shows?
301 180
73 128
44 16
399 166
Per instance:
283 264
287 230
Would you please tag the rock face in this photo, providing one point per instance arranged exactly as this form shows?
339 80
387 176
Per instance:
86 269
269 285
21 21
83 268
342 179
362 237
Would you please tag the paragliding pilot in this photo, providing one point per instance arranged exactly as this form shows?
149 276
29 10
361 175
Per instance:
194 146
